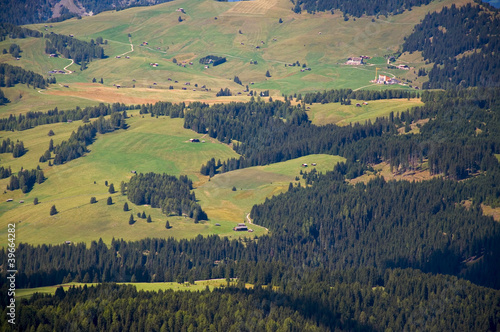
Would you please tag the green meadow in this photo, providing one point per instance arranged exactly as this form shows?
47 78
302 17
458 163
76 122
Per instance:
321 41
199 285
321 114
148 145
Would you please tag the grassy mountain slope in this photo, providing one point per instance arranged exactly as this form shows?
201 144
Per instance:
321 41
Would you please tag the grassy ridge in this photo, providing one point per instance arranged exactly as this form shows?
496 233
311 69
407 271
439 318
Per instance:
298 38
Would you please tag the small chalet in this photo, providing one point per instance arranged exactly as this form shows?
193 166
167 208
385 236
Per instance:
194 140
354 61
304 165
404 67
240 228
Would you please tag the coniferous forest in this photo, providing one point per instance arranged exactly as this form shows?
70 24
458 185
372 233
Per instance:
346 249
472 31
363 257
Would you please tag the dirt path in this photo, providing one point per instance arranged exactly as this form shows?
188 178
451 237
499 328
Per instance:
66 68
131 47
251 223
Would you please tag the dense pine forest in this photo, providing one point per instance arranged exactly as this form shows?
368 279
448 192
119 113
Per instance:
12 75
448 141
472 31
358 7
360 300
173 195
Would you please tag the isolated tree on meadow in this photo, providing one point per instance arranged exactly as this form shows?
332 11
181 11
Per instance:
109 201
35 201
149 219
53 210
268 74
125 207
143 215
93 200
167 225
131 220
111 189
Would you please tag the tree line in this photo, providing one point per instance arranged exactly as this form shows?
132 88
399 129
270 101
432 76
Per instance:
33 119
341 95
359 7
361 300
77 143
16 148
472 31
11 75
173 195
25 179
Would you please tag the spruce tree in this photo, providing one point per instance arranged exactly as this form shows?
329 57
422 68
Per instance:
149 219
53 210
111 189
93 200
109 201
268 74
131 220
143 216
167 225
35 201
125 207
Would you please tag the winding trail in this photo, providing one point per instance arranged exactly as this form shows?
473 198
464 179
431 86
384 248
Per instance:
131 47
66 68
251 223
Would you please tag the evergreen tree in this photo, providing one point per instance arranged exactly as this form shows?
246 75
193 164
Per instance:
131 220
122 188
268 74
111 189
149 219
167 225
53 210
143 215
93 200
125 207
35 201
109 201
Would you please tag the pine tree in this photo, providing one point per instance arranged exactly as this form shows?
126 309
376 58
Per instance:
109 201
125 207
53 210
35 201
149 219
143 215
93 200
167 225
122 188
268 74
131 220
111 189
